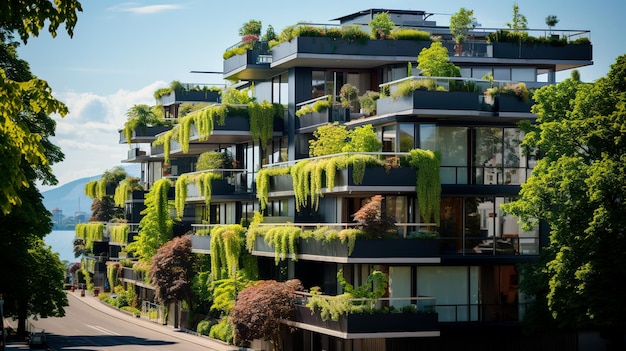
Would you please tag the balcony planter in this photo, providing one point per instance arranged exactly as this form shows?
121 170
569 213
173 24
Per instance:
511 103
334 46
370 323
334 114
543 51
431 100
378 176
143 134
372 248
178 96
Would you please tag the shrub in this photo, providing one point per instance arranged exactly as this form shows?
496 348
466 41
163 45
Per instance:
410 34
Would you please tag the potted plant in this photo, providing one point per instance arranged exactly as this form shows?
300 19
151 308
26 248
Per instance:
460 24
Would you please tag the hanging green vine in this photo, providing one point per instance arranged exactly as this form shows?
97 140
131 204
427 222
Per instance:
124 188
263 182
165 139
226 246
90 232
113 273
202 180
90 188
262 121
180 197
428 185
284 240
307 175
155 228
119 233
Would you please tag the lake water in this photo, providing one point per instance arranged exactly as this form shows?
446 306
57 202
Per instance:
61 242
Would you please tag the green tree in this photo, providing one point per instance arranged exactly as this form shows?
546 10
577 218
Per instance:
329 139
35 284
381 26
434 61
518 21
460 24
362 139
252 27
578 188
24 101
28 17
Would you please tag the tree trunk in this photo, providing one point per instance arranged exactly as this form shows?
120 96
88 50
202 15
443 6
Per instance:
22 315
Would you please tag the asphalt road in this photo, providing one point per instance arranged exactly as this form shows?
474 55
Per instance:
89 325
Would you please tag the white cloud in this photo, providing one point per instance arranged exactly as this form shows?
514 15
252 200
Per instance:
88 135
144 10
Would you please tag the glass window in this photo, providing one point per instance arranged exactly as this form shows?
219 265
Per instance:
502 73
389 138
318 83
452 143
407 137
479 73
488 156
523 74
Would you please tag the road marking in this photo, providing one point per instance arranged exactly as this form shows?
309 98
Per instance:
103 330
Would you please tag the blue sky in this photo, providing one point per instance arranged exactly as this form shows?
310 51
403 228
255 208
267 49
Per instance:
122 52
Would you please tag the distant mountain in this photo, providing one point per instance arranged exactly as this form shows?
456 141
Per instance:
69 197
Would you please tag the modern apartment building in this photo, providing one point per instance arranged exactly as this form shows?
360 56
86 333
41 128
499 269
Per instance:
464 283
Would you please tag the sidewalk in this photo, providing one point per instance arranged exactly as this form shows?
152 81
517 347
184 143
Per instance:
89 299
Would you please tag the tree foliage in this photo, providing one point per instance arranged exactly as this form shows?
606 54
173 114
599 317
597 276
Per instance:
373 218
578 188
34 285
333 138
25 101
172 270
28 17
260 308
434 61
518 21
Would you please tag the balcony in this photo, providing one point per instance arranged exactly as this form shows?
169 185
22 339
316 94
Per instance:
201 244
326 51
530 51
369 325
435 96
143 134
400 179
383 251
336 113
254 64
190 93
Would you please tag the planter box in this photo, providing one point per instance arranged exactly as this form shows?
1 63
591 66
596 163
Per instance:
510 103
543 51
371 323
255 59
391 250
334 114
372 248
432 100
190 95
331 46
143 134
378 176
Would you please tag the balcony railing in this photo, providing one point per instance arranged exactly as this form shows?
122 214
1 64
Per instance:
407 317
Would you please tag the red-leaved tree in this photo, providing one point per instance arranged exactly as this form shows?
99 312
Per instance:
171 270
259 309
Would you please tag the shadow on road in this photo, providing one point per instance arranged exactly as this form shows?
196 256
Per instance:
82 342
